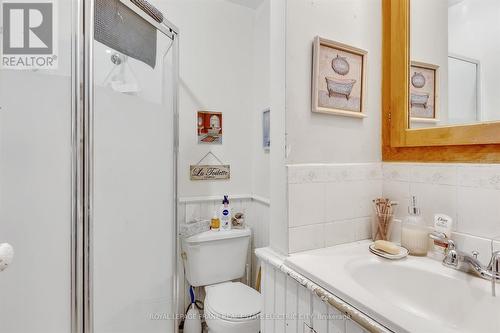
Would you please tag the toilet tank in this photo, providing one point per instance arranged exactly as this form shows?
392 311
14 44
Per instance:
215 256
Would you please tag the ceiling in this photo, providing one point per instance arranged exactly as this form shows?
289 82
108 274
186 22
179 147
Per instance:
453 2
254 4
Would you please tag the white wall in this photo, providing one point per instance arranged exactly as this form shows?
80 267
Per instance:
319 138
217 47
262 99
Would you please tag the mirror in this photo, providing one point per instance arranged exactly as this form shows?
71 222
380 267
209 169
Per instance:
454 62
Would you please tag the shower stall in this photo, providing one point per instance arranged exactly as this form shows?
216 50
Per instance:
88 175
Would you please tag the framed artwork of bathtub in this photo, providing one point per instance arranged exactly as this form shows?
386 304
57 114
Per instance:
424 87
209 129
339 79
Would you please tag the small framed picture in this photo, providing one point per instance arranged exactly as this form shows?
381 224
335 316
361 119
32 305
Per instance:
209 127
338 80
266 129
424 87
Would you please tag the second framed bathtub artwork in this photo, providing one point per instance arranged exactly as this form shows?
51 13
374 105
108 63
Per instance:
424 92
338 80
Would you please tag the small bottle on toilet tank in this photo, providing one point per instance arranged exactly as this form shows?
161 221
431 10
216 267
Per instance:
225 214
215 222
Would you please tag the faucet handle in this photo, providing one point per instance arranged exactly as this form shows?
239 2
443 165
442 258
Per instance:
494 268
494 265
451 258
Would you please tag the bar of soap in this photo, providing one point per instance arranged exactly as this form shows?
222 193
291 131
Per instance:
387 247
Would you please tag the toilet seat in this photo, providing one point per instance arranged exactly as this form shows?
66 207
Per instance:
232 301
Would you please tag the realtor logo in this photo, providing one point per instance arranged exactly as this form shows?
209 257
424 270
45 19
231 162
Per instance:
28 35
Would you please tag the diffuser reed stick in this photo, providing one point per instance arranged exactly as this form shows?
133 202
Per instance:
384 209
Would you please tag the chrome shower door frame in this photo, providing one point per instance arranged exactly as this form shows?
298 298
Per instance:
77 172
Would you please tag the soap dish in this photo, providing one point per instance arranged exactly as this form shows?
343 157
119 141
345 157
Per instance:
403 253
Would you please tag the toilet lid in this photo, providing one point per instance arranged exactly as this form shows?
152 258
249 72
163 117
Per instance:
233 300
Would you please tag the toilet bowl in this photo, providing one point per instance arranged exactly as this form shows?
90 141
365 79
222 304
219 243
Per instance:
212 259
232 307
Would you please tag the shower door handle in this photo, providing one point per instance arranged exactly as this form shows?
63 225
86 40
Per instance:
6 255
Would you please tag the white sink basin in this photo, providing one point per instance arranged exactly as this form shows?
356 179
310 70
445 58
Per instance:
410 295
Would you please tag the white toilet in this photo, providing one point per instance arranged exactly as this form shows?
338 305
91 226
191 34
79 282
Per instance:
213 259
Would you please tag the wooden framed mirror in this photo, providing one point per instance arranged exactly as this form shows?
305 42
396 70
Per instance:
415 127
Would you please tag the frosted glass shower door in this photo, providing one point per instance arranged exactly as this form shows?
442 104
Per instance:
36 191
133 191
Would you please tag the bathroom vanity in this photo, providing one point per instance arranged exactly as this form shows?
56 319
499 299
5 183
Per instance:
347 289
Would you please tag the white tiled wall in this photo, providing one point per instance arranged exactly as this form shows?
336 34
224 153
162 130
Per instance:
469 193
330 204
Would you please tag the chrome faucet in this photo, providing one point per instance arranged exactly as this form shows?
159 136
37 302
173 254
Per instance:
469 263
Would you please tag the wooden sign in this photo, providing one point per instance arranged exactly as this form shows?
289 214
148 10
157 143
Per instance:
210 172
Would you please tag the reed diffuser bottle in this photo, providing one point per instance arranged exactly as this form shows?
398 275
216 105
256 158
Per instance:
414 233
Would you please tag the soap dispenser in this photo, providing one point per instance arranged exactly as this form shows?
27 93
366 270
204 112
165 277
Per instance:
414 233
